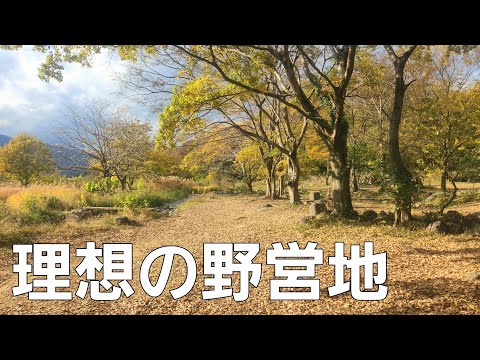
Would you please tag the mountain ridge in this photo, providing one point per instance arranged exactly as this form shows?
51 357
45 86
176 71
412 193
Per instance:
4 139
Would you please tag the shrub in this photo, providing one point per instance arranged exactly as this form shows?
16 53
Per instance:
151 198
105 185
133 202
40 210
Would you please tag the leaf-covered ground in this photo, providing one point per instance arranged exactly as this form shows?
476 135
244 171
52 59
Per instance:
426 272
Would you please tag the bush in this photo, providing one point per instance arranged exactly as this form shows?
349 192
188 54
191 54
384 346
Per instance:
133 202
41 210
155 198
105 185
242 188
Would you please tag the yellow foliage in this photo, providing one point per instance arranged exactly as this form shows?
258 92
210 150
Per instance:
69 195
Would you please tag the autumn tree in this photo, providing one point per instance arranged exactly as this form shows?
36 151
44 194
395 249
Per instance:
25 158
85 134
130 148
248 165
165 162
105 140
310 80
220 154
448 109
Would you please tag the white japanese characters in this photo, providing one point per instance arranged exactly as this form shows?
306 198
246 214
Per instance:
294 263
218 260
105 273
117 265
168 252
339 261
49 261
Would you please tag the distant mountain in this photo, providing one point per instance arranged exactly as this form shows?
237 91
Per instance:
63 159
4 139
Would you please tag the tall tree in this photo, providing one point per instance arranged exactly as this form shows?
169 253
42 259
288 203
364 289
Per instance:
403 181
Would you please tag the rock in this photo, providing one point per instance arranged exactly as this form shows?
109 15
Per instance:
317 208
334 215
368 215
314 195
73 218
78 215
454 222
385 216
449 223
471 224
123 220
472 276
306 219
439 227
267 206
453 216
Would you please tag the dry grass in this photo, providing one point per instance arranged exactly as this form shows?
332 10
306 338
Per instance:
69 195
173 183
8 190
425 271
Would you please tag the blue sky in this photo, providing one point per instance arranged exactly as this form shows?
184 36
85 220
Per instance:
28 104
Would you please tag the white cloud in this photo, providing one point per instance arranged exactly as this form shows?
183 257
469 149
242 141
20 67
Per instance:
29 104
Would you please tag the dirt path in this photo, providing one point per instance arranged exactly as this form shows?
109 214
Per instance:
425 273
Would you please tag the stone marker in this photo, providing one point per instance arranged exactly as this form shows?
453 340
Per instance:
314 195
316 208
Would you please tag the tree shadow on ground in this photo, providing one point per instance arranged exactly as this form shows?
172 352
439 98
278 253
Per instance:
447 296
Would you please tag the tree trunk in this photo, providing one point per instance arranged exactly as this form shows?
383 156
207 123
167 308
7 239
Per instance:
341 197
443 181
270 181
293 179
123 182
452 196
281 186
327 176
355 180
405 185
130 183
249 185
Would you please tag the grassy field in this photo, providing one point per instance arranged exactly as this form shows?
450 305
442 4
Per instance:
27 213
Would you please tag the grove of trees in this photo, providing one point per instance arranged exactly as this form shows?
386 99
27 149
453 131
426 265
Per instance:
387 115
